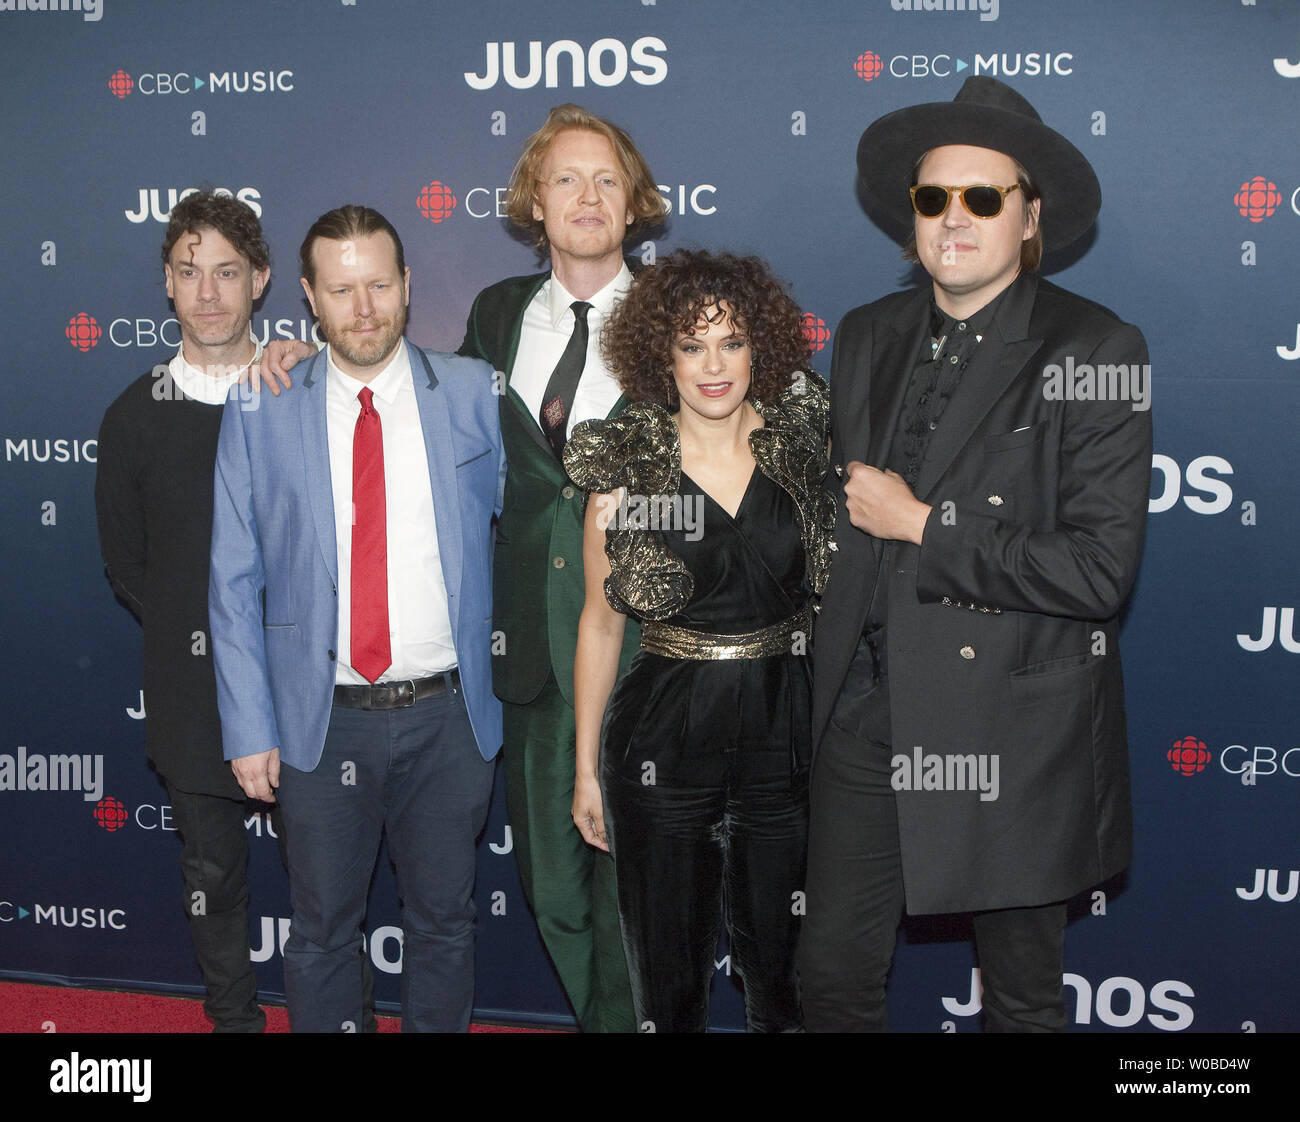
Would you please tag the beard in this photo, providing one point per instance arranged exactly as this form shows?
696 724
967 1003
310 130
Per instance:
370 350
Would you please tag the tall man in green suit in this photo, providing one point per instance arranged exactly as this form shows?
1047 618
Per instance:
581 189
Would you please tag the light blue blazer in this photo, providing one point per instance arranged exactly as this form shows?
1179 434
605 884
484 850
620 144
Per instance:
273 596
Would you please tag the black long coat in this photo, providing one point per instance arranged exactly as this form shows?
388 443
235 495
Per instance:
1002 625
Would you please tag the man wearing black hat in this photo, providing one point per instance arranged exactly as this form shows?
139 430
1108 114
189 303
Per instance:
994 458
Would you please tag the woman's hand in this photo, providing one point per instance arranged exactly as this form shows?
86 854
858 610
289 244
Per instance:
595 666
589 811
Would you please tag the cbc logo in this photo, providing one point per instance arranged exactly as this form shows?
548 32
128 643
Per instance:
815 331
1259 197
83 331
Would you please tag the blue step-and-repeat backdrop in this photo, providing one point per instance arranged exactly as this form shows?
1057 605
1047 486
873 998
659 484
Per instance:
749 112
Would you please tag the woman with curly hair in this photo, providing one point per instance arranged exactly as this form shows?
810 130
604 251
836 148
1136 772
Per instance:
707 524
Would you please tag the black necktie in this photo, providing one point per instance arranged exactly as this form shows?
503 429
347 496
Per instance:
557 403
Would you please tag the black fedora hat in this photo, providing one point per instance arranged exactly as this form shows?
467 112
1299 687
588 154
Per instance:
985 113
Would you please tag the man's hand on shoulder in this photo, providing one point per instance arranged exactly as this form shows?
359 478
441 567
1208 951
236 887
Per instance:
278 358
880 503
258 775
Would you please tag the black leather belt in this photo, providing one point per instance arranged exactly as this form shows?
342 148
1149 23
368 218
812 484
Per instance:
396 695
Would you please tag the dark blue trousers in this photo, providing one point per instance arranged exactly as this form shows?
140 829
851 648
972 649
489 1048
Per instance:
417 775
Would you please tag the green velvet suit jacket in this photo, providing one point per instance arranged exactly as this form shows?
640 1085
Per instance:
537 576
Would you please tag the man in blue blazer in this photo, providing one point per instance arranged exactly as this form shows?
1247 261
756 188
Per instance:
351 612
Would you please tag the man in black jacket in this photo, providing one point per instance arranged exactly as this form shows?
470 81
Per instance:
153 493
993 448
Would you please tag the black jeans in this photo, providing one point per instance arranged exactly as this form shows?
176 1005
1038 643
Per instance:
856 899
214 866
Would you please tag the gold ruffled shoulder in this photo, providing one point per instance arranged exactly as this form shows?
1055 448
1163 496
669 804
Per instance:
790 449
638 450
805 406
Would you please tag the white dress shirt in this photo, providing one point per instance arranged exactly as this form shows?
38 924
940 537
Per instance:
419 626
198 384
546 330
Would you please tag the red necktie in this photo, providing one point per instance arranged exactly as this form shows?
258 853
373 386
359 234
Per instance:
371 655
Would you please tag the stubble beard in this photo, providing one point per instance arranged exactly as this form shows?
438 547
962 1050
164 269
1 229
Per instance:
372 352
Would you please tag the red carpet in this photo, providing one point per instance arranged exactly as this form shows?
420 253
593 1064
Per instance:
65 1009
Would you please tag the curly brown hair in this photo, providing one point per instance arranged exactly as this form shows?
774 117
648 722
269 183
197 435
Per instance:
233 220
669 299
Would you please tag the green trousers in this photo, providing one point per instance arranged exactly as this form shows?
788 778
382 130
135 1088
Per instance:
569 885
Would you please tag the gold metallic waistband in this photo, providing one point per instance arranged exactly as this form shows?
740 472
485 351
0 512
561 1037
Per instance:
790 636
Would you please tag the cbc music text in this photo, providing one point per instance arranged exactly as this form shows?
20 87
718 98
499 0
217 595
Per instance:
155 84
90 917
1028 64
146 332
59 450
678 198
